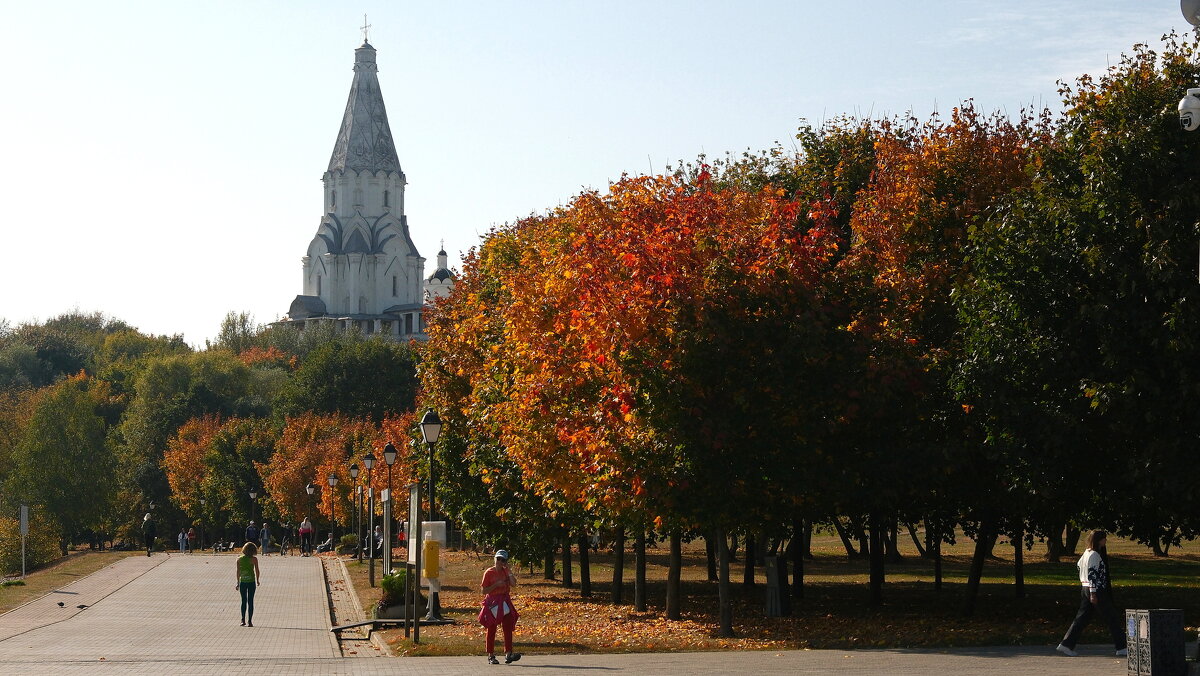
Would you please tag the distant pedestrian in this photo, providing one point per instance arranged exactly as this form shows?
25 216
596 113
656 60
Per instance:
248 579
192 539
149 532
1096 589
252 533
306 537
264 534
498 609
182 538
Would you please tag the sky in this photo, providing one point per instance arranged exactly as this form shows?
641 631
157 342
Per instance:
160 162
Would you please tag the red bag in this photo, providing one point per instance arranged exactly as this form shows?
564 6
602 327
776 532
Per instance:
495 611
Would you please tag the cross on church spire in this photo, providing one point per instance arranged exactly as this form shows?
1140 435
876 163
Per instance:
366 29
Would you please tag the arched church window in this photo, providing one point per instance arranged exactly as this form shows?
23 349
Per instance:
333 198
387 202
394 286
318 285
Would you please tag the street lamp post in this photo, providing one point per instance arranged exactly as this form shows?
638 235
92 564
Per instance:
354 471
202 517
431 429
389 457
253 499
310 489
332 511
369 463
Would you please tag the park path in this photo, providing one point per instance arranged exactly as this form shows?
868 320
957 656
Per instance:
178 614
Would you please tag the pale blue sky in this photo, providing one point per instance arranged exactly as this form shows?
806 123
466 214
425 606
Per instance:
162 160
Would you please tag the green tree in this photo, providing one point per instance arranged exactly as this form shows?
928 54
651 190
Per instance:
355 377
63 462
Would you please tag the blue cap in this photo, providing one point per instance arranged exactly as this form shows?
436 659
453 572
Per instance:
502 554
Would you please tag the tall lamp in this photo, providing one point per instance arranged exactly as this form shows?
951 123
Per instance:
354 472
431 429
369 463
310 489
389 457
332 509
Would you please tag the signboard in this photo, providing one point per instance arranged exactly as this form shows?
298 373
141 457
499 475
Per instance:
24 520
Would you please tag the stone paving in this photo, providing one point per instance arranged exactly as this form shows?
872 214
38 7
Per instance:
179 614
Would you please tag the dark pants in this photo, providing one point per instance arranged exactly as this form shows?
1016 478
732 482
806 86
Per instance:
247 591
1103 606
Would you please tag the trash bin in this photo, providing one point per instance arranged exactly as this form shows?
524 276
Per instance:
1156 642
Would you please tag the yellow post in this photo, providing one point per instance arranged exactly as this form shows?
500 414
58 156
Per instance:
430 555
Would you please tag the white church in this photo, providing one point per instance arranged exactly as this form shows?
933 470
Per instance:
362 270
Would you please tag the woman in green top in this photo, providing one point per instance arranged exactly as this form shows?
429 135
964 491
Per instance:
248 577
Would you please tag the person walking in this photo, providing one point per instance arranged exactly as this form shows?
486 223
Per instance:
248 579
498 609
264 534
252 533
192 539
149 532
306 537
1096 591
182 538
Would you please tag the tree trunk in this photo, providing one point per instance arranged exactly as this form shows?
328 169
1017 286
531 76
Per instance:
673 575
876 554
585 565
748 569
726 602
639 572
933 545
1072 541
892 533
912 533
845 536
548 568
986 539
733 547
1019 562
618 581
568 573
806 544
1054 545
859 531
710 553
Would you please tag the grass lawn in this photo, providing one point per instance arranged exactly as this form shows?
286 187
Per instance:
56 575
834 613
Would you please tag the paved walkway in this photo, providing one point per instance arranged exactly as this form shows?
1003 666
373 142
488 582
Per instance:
179 615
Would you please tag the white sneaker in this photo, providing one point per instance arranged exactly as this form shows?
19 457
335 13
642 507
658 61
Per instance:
1123 652
1066 651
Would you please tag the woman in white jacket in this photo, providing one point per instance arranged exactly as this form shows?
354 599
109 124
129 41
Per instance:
1097 597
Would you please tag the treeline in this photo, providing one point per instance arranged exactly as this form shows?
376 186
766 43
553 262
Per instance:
100 424
980 322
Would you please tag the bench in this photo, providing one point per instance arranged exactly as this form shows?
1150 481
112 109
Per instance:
369 624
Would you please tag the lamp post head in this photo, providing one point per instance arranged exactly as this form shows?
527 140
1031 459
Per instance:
253 494
354 471
369 461
431 426
389 454
310 488
333 480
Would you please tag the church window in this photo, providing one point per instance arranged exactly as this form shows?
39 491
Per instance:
333 198
394 286
408 323
318 285
387 202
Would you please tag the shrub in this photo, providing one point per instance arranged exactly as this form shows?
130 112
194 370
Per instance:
346 543
41 546
393 588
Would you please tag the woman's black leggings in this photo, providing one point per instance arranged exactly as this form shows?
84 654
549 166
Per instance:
247 590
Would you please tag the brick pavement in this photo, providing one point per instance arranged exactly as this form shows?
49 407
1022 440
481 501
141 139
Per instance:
179 615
